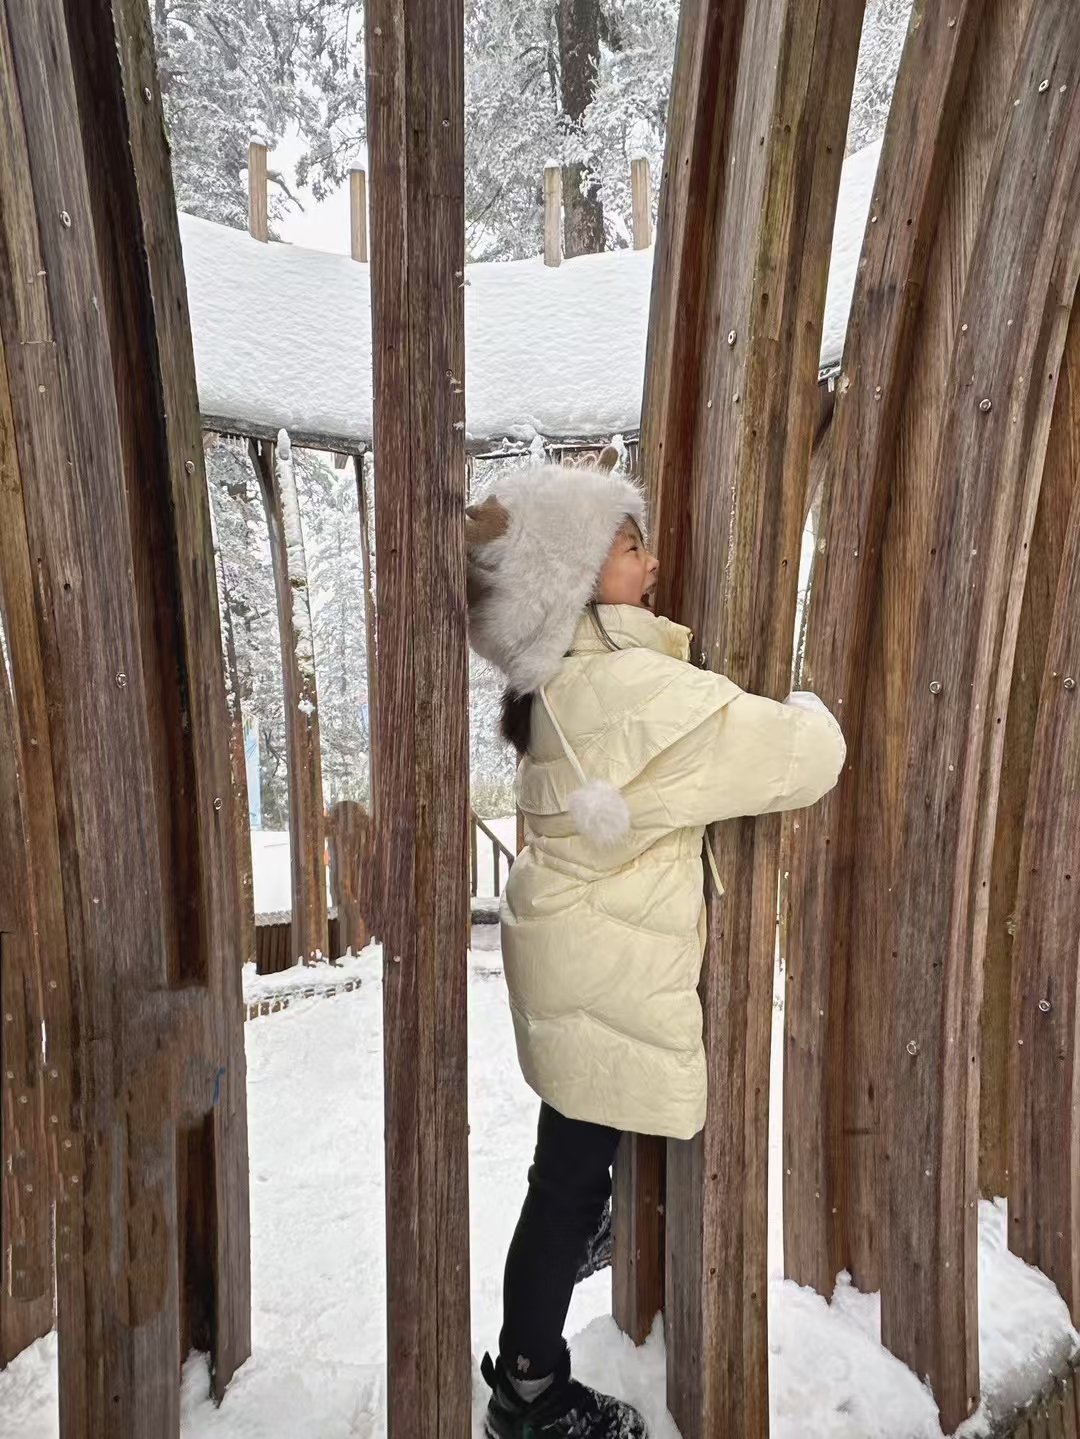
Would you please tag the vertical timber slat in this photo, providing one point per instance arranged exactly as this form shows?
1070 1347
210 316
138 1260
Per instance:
830 1158
415 99
760 106
273 468
1043 1120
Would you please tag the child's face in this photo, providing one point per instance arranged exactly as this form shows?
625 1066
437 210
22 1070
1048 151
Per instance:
629 573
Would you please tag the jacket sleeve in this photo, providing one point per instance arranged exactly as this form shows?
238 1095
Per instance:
753 756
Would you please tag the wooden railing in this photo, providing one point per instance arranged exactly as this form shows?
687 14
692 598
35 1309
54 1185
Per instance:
498 852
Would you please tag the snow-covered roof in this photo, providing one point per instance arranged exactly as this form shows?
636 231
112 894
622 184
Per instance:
282 335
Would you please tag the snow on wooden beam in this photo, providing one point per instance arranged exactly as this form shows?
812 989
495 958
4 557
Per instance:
415 100
730 413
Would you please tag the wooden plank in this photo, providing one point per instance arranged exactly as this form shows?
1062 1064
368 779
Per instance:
637 1273
415 107
258 223
830 1118
1056 497
1068 1407
29 313
117 1279
349 831
987 468
358 214
760 102
553 215
245 888
26 1261
206 855
1043 1126
273 469
641 202
362 469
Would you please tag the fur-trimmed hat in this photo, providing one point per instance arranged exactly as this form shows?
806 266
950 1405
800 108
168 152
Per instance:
536 547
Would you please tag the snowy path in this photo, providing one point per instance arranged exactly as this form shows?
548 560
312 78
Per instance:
315 1101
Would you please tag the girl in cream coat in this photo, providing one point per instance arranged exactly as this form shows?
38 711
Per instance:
627 752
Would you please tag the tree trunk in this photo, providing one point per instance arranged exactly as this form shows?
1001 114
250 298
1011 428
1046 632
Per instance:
578 25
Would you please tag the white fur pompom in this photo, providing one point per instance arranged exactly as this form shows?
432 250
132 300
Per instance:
600 813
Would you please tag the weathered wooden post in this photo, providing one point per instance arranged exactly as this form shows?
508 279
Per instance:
729 419
258 205
938 443
273 465
237 756
641 202
116 666
1042 1123
358 213
553 215
348 829
415 98
26 1258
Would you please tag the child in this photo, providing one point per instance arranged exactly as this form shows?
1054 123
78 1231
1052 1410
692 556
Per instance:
627 751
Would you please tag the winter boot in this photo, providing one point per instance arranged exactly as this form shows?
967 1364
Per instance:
565 1409
598 1254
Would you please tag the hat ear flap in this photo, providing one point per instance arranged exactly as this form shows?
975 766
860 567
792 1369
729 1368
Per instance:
486 522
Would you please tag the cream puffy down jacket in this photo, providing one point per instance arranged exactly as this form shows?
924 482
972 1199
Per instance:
602 947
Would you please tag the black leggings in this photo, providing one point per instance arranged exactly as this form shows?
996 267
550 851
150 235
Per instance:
569 1185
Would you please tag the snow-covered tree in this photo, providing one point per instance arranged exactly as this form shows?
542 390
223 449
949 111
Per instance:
581 83
884 29
231 69
249 578
336 578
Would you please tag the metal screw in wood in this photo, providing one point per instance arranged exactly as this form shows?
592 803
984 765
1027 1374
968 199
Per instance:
935 687
732 337
1045 1006
986 406
1070 683
121 680
912 1047
65 219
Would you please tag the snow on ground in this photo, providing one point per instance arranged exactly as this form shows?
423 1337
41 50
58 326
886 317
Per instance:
282 335
318 1280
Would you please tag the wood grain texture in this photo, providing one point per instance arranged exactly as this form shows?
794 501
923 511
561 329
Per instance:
638 1204
987 468
553 215
306 821
641 202
358 215
120 685
1044 1137
26 1260
415 106
831 1079
348 829
760 101
203 853
258 224
1056 498
117 1281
